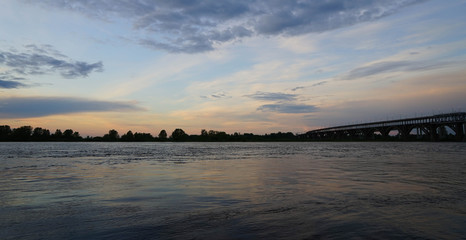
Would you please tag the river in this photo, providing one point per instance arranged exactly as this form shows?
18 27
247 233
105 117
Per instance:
298 190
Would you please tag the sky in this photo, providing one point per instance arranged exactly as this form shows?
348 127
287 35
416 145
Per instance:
257 66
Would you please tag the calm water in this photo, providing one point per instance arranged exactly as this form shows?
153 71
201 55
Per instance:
232 190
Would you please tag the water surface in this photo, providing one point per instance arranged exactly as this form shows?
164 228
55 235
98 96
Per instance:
232 190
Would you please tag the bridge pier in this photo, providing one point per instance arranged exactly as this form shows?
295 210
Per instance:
385 132
340 135
433 132
367 134
352 134
459 130
425 131
418 133
404 132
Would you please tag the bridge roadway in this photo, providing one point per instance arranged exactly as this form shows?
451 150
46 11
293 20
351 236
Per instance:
432 127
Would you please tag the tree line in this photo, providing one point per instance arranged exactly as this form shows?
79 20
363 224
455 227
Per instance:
28 133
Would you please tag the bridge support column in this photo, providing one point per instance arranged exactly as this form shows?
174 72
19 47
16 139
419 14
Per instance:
433 132
385 133
340 135
459 130
319 136
425 132
368 134
404 132
352 134
330 136
418 133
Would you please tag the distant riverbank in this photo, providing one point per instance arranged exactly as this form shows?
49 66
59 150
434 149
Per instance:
38 134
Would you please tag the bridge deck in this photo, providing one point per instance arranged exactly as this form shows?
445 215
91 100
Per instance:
427 124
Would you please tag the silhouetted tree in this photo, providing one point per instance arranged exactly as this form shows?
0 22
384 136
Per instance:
22 133
203 137
163 135
179 135
37 133
204 133
76 136
128 137
143 137
217 136
40 134
5 133
111 136
68 134
236 137
289 136
58 134
250 137
97 139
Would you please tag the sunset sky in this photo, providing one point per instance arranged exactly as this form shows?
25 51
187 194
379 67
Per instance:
237 66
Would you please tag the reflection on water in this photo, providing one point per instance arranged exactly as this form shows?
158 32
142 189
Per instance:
232 190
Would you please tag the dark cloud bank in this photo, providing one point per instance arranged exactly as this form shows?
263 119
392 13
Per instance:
39 60
28 107
197 25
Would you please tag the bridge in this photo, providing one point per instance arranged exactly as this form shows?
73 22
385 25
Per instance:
432 127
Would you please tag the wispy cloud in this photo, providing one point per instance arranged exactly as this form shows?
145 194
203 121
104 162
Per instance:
218 95
297 88
319 83
284 103
197 26
28 107
270 96
288 108
393 66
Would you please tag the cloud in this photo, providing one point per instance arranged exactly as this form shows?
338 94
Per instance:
313 85
28 107
393 66
8 81
40 60
319 83
297 88
10 84
192 45
198 26
288 108
37 61
284 103
218 95
268 96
